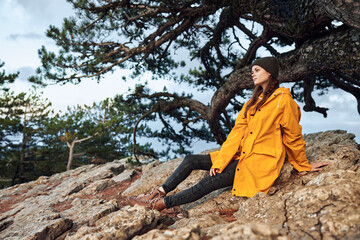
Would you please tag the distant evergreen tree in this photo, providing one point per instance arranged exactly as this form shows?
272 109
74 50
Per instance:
6 78
10 127
101 131
21 120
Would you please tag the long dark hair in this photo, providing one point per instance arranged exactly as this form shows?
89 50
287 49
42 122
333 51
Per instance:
273 85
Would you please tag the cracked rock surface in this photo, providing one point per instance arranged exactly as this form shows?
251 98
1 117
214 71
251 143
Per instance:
90 202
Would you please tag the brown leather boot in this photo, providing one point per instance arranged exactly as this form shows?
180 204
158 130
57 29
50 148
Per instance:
155 193
156 203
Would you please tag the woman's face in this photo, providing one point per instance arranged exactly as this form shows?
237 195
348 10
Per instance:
260 76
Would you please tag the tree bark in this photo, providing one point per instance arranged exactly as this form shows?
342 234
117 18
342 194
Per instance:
306 18
22 159
22 151
346 11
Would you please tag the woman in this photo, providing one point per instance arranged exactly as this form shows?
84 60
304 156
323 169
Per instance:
253 154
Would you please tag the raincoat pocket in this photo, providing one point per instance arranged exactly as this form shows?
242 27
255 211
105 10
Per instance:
263 160
263 149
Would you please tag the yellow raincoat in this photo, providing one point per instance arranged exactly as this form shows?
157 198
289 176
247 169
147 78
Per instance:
259 143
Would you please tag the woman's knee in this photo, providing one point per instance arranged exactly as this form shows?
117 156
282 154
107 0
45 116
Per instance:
198 161
190 157
190 160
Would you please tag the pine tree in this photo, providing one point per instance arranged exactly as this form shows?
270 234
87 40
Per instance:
316 42
22 116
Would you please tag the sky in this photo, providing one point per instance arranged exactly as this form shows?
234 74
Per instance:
23 24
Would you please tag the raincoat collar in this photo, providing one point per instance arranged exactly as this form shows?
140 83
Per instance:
278 92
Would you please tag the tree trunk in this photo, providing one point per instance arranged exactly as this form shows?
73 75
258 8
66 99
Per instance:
22 155
71 153
16 174
71 148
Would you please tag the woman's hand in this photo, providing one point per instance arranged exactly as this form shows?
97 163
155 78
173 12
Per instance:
316 167
214 171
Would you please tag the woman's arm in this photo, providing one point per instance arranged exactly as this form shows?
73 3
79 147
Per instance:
293 140
232 143
292 136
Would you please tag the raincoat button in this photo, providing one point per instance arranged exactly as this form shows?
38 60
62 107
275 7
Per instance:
237 169
243 152
234 189
250 132
259 110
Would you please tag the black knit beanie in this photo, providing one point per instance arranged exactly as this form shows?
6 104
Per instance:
270 64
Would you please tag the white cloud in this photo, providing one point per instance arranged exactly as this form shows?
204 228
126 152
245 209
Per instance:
25 73
44 12
23 24
87 91
25 35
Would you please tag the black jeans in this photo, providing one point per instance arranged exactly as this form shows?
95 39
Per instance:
205 186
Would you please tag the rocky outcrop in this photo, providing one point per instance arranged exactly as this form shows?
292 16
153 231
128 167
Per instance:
90 202
122 224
